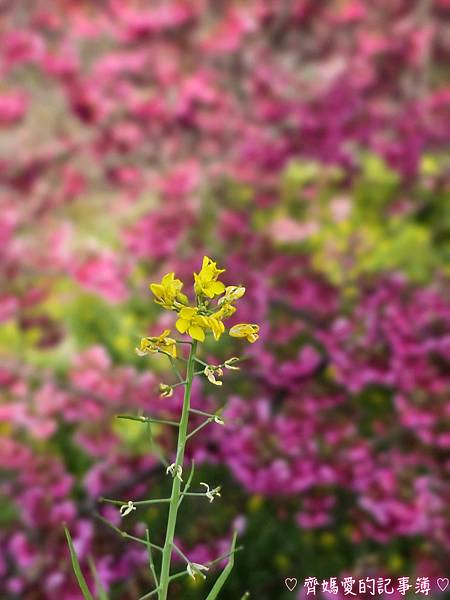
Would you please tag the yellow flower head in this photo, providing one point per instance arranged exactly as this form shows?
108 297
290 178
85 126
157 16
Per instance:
155 344
195 325
206 283
168 291
232 293
245 330
225 311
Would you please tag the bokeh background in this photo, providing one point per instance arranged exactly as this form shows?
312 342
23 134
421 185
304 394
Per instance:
304 145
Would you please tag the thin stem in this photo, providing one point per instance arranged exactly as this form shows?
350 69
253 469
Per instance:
155 446
175 496
138 503
224 556
188 484
170 355
184 573
199 428
151 564
205 414
150 594
148 420
182 554
176 369
126 535
201 362
183 382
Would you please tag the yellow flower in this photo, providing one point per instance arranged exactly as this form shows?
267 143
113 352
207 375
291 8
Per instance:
217 327
168 291
245 330
225 311
155 344
232 293
206 281
195 325
192 323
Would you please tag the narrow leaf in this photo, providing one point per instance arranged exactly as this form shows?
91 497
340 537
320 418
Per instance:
225 573
77 569
102 595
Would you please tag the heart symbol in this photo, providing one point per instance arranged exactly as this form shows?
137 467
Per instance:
291 583
443 583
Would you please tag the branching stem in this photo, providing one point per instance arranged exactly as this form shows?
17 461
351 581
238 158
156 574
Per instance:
200 427
175 496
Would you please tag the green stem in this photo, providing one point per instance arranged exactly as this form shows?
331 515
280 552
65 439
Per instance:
184 573
176 369
206 414
148 420
175 496
137 503
200 427
151 564
202 362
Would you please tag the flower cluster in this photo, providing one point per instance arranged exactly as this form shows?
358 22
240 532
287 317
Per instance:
204 317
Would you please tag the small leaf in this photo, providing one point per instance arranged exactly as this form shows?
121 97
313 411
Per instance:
102 595
225 573
77 569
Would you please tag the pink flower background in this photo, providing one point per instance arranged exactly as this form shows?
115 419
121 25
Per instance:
304 146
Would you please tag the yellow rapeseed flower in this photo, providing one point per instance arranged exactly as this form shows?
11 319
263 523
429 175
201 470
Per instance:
232 293
206 283
168 291
191 322
245 330
160 342
195 325
225 311
217 327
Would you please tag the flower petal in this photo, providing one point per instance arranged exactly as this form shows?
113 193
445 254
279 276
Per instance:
197 333
182 325
187 312
157 289
217 287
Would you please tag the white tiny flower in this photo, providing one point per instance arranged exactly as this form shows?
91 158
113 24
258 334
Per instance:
218 420
229 364
196 569
211 371
165 391
175 470
125 509
210 494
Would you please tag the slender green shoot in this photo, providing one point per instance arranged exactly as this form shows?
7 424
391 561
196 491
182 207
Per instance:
77 569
